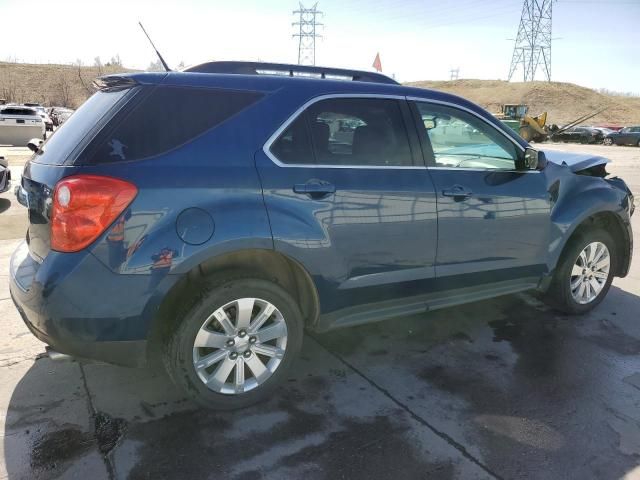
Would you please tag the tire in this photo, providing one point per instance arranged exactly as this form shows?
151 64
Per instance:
180 354
560 294
638 144
608 142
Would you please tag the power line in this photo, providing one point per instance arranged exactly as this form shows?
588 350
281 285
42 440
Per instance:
533 42
307 33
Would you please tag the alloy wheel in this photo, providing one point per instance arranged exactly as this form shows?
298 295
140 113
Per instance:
590 272
240 346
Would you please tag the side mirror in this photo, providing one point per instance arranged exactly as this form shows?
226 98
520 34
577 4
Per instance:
534 160
34 144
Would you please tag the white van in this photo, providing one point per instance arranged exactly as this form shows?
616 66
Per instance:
19 124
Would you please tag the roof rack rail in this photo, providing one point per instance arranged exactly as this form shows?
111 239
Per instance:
305 71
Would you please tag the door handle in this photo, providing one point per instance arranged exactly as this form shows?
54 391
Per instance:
315 188
458 192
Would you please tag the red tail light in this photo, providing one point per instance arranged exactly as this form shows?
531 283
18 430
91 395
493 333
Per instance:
83 208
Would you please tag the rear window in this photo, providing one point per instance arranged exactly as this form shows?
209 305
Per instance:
62 143
168 118
17 111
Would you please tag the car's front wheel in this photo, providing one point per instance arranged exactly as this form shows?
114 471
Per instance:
236 344
584 273
608 141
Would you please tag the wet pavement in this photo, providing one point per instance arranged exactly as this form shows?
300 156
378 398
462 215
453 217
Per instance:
505 388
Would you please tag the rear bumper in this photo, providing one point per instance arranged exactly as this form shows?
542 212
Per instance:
76 305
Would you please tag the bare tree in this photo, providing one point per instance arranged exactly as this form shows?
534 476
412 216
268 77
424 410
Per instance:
155 66
98 64
63 88
9 88
85 85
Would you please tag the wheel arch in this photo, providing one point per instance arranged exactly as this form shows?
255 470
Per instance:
257 263
612 223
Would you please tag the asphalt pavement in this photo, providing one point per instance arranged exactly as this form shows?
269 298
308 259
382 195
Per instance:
504 388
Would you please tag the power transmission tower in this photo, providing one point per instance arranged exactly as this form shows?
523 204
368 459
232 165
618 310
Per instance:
455 73
307 33
533 42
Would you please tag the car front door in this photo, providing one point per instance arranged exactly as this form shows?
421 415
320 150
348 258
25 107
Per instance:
623 136
493 218
349 196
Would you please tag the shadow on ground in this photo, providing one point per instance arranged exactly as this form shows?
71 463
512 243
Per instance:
5 203
504 388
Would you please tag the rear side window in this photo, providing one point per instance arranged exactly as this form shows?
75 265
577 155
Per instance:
167 118
356 132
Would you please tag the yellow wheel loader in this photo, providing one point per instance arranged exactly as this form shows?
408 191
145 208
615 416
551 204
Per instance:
532 129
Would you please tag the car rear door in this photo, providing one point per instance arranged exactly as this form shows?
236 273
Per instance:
493 220
349 196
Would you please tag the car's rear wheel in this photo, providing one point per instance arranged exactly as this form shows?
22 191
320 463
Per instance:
584 274
608 141
236 344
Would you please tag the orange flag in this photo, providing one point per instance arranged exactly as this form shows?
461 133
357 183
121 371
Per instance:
377 64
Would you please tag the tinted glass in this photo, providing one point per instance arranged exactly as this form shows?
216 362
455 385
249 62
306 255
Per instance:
294 146
59 145
459 139
359 132
167 118
18 111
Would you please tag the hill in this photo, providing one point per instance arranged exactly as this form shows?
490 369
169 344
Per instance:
564 101
68 85
62 85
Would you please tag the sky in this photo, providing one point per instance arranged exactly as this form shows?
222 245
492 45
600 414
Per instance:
596 41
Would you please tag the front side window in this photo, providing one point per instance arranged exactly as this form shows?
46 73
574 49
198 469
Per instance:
461 140
347 132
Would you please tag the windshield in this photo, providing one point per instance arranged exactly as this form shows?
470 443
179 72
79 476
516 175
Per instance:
61 144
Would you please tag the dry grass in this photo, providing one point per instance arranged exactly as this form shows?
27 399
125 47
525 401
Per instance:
564 101
49 84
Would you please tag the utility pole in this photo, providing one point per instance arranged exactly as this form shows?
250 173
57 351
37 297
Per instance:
307 33
533 43
455 73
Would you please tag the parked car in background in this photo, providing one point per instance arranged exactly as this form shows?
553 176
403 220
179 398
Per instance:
19 124
205 218
610 126
579 135
5 175
604 131
59 115
626 136
48 122
63 115
42 111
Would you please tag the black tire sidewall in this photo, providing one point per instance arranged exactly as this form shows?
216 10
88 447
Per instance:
179 351
561 289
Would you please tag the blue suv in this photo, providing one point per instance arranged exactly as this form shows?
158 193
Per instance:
207 217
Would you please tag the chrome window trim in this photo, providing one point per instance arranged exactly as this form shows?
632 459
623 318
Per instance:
267 146
468 110
467 169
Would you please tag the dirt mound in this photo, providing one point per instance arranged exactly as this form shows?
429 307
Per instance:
564 101
51 84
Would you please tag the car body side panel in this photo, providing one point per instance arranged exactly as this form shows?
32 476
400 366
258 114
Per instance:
210 184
